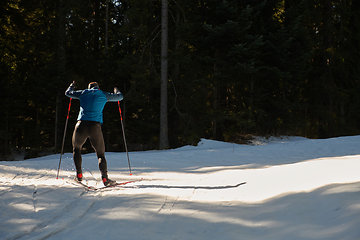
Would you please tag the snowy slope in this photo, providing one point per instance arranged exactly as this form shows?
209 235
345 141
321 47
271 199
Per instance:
279 188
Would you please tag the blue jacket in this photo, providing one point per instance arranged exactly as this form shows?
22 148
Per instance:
92 102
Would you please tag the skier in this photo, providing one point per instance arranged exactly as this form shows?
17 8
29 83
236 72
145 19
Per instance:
90 119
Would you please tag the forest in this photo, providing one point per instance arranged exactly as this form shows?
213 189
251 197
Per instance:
235 68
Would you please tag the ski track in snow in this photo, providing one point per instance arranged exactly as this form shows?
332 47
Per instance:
280 188
52 223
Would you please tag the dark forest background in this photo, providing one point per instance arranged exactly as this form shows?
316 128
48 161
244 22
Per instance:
236 68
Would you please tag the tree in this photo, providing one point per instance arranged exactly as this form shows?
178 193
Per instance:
164 139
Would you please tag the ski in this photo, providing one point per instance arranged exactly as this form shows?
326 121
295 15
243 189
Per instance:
81 184
118 184
92 188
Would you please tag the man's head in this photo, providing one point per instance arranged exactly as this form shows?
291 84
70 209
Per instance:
93 85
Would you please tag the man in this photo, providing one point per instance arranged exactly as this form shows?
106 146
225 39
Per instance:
90 119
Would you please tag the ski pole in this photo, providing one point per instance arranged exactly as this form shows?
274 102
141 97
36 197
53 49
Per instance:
122 126
63 142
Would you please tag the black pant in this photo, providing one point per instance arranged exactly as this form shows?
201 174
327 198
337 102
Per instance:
92 130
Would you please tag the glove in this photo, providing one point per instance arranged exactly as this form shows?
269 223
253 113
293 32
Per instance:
116 90
72 84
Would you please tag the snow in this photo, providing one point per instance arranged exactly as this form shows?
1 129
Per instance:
275 188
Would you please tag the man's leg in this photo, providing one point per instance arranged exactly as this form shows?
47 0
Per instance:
78 139
97 141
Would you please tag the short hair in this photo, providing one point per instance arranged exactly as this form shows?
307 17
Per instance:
93 84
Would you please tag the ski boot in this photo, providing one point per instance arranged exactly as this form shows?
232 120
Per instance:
79 177
108 182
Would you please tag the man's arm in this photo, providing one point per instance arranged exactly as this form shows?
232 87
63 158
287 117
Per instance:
71 93
114 97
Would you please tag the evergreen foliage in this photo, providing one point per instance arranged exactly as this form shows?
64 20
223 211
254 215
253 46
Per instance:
235 68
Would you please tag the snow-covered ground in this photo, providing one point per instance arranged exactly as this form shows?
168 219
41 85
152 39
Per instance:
278 188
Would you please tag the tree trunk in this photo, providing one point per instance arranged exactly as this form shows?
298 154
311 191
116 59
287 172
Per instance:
328 79
96 40
164 139
106 27
7 136
215 108
61 66
56 121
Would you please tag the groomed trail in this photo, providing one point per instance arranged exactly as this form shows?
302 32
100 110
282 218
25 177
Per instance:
277 188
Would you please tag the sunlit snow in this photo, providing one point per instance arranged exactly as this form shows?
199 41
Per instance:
276 188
